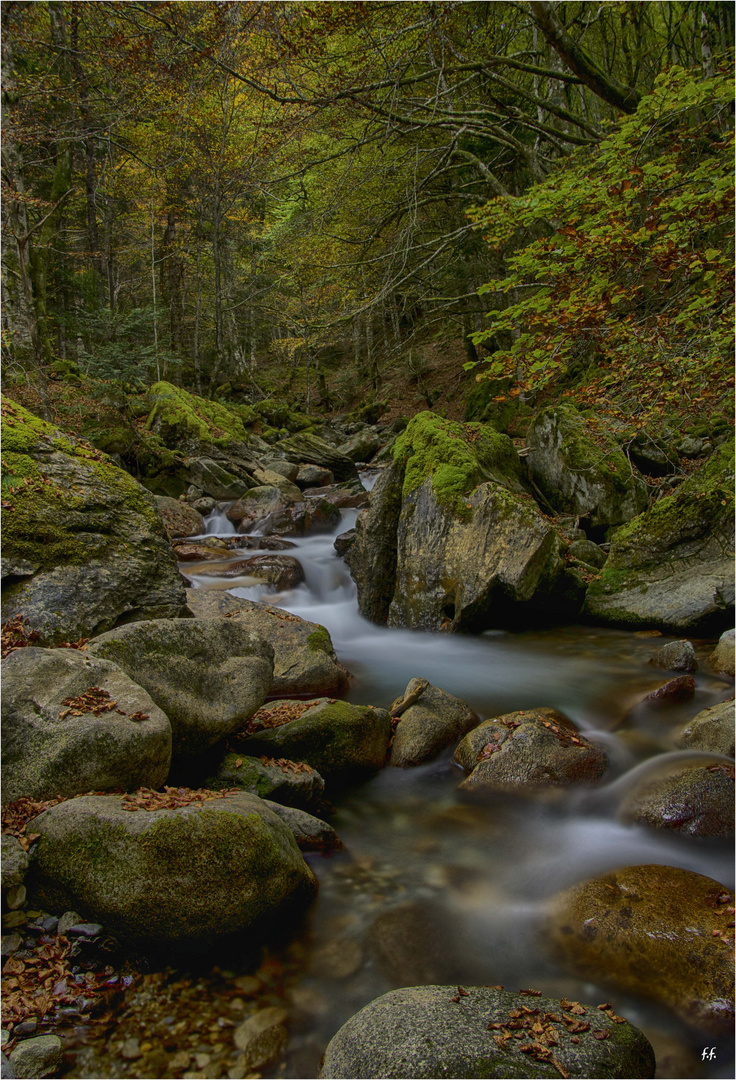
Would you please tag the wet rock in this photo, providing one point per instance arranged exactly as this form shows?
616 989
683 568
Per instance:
579 475
261 1037
363 446
199 552
222 479
304 788
37 1057
343 544
15 897
178 518
673 692
335 738
204 506
417 943
310 833
281 571
434 721
712 730
675 656
432 1031
79 563
192 875
14 861
67 920
305 662
338 958
373 552
529 749
75 722
344 498
696 800
656 931
268 477
672 566
6 1069
131 1050
208 675
722 657
257 504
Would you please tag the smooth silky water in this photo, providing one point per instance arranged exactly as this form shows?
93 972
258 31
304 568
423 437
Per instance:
433 886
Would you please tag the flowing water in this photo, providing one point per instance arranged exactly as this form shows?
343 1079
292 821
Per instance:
431 888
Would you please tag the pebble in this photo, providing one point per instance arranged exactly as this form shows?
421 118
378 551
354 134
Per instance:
37 1057
262 1036
131 1050
69 918
179 1062
15 897
26 1027
85 929
10 943
15 918
248 984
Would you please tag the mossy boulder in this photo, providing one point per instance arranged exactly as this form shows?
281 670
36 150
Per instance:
457 457
589 477
74 723
185 877
304 662
303 788
307 447
182 419
655 931
537 748
673 566
433 1031
208 675
84 546
337 739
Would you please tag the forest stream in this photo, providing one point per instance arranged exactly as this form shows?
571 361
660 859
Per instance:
431 887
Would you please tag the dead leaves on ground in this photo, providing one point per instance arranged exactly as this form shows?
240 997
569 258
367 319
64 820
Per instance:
274 716
171 798
14 635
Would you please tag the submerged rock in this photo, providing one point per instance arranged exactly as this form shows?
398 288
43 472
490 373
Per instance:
529 749
178 877
656 931
84 546
74 723
436 1031
304 662
675 656
672 567
696 800
208 675
434 721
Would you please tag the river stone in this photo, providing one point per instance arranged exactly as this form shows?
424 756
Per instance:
178 518
282 467
84 544
187 876
591 479
310 833
675 656
222 480
268 477
672 567
650 931
14 861
362 446
310 476
37 1057
257 504
304 661
305 447
433 722
418 942
528 749
281 571
711 730
335 738
672 693
261 1037
696 800
373 552
46 753
425 1031
300 789
722 657
200 552
208 675
6 1069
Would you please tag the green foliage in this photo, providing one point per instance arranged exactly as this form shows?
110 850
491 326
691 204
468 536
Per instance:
122 347
621 263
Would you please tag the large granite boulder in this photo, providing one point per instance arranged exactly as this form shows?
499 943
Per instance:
337 739
656 931
588 478
208 675
481 1031
304 661
188 876
74 723
435 720
528 749
672 567
373 552
84 546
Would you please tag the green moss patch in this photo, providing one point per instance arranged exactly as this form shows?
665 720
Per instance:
192 416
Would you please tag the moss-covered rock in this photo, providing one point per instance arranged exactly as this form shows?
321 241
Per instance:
180 418
305 446
335 738
304 788
673 567
73 723
184 877
654 931
435 720
582 475
432 1031
84 545
457 457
